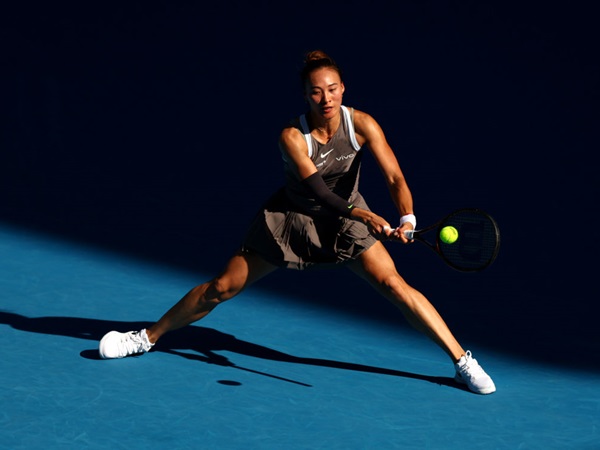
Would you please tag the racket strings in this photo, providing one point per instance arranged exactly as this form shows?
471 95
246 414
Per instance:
477 244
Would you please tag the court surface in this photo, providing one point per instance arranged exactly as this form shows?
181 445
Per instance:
264 371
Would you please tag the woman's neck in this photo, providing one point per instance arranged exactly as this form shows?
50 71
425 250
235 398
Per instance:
325 129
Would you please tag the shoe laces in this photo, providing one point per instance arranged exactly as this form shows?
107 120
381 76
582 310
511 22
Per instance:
133 342
471 367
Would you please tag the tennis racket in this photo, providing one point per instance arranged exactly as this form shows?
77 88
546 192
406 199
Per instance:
477 244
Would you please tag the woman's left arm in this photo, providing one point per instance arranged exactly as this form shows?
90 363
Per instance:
369 133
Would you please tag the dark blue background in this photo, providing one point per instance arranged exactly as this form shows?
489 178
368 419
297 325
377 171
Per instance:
152 130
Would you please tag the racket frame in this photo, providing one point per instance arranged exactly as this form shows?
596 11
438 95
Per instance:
419 235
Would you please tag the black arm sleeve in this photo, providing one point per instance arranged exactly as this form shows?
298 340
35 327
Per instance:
316 185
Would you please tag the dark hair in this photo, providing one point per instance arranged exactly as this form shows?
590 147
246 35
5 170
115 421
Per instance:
317 59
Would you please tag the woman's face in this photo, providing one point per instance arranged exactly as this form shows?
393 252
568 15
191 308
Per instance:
323 91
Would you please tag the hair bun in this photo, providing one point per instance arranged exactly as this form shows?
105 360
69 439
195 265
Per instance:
317 59
316 55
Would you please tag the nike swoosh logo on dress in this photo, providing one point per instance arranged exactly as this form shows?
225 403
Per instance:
324 155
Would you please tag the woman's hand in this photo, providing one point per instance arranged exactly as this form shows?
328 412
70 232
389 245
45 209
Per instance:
397 234
377 225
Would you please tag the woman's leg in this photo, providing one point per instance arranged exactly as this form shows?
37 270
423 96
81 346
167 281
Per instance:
377 267
241 271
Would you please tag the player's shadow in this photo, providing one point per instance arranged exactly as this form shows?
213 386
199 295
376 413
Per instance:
195 343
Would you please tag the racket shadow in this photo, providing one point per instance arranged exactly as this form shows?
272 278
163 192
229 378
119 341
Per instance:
197 344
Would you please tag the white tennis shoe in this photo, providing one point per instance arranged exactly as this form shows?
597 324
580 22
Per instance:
119 345
469 372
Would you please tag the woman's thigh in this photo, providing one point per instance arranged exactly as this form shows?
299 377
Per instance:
375 265
243 269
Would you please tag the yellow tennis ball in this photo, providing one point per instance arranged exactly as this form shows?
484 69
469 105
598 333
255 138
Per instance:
448 235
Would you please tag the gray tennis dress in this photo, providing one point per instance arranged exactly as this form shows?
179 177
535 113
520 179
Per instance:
292 229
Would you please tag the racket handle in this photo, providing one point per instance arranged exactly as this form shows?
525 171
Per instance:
410 234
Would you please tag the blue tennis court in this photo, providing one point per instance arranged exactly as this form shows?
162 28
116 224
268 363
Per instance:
265 371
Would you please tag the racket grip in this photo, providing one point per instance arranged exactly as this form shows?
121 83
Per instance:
410 234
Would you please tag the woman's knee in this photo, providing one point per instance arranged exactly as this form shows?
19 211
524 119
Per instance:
392 282
222 288
394 288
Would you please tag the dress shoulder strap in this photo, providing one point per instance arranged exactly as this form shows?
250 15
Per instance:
306 133
348 117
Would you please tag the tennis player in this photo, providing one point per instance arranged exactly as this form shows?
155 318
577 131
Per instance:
319 218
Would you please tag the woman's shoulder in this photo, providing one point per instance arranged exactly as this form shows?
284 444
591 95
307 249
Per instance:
362 120
360 115
291 131
291 125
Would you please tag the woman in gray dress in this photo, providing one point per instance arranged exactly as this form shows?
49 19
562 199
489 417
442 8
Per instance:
320 219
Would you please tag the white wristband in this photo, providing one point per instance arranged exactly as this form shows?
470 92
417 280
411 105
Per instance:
409 218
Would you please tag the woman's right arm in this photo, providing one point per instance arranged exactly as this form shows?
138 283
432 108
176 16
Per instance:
295 149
